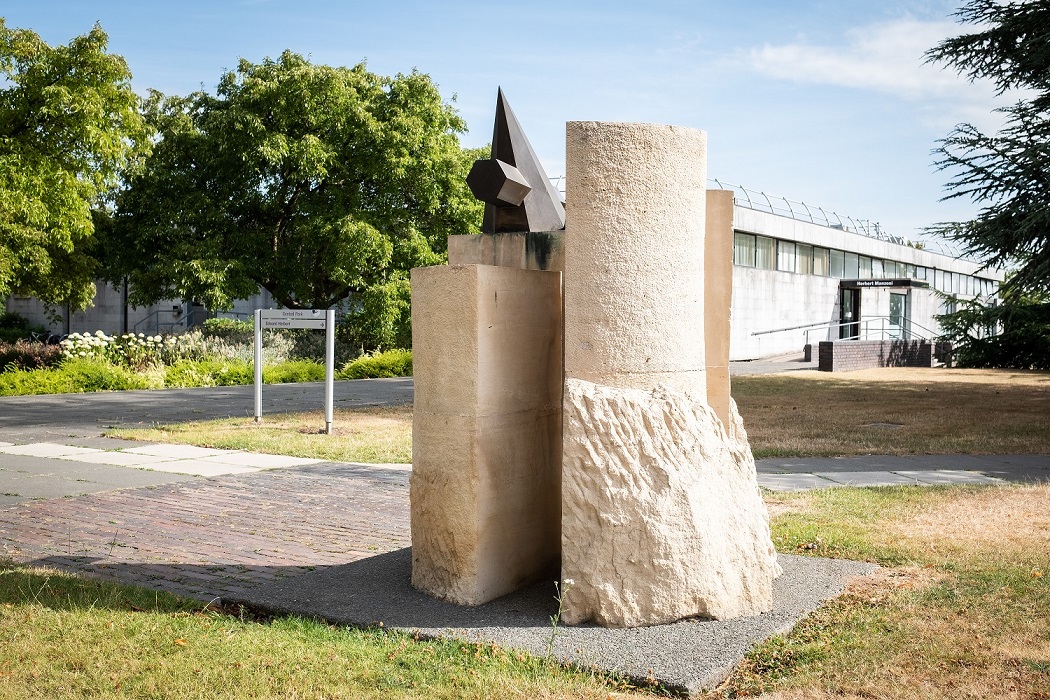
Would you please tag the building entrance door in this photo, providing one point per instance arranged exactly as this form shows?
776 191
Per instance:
898 315
849 313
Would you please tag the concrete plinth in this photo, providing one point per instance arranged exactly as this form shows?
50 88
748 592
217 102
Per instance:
486 455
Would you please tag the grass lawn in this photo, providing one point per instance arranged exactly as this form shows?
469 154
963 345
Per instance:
375 435
799 414
961 609
66 637
895 411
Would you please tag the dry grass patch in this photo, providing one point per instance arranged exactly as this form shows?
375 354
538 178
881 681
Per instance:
375 435
896 411
961 609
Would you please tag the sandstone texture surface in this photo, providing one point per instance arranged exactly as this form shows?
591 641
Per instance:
662 518
634 254
486 477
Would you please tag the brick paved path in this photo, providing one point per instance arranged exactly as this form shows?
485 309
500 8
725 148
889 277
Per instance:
217 537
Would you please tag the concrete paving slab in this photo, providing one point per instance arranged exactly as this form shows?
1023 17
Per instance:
690 655
396 467
198 467
123 477
951 476
47 449
177 451
46 487
875 478
104 443
6 444
795 482
10 500
118 458
259 461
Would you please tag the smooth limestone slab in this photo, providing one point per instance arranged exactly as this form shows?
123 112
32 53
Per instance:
198 467
47 449
869 478
178 451
117 458
795 482
260 461
951 476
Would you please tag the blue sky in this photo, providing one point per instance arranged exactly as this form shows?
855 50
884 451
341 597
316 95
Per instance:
823 101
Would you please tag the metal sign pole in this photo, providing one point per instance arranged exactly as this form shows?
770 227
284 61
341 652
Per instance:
329 368
258 365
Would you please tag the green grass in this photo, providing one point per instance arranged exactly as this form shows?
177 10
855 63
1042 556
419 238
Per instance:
62 636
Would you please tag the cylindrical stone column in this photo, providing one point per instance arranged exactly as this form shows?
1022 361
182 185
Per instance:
634 255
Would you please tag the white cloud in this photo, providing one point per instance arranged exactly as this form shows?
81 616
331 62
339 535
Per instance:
886 57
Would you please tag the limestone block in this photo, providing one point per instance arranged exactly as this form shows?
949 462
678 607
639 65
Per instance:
634 255
662 517
718 298
535 250
486 454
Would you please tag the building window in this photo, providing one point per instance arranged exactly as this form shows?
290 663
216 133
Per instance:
877 271
764 252
838 264
921 273
744 249
786 256
804 256
909 271
865 268
820 261
852 266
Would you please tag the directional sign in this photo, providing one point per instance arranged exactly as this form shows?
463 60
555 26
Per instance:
293 318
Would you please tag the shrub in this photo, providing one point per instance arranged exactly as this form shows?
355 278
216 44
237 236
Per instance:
208 372
390 363
136 351
15 327
229 329
28 355
293 371
73 376
1015 334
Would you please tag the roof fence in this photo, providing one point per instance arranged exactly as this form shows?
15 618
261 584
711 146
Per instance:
800 211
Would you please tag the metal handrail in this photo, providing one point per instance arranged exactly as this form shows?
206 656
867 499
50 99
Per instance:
866 332
155 323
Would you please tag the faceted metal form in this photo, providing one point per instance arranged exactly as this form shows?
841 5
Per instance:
518 195
497 183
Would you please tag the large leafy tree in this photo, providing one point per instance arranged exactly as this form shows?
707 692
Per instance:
316 183
1006 172
69 124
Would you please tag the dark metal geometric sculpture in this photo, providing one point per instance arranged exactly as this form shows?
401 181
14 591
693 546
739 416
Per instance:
517 193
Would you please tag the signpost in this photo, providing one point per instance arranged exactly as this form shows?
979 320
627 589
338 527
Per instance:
317 319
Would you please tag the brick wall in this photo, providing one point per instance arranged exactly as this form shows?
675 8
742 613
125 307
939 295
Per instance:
848 355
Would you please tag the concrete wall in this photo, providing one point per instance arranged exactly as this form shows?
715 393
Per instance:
106 315
486 453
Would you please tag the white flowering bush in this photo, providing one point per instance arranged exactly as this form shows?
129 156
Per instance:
135 350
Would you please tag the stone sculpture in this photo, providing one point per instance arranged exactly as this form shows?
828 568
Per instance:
621 454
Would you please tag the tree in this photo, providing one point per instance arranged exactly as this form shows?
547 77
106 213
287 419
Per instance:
1005 172
315 183
69 124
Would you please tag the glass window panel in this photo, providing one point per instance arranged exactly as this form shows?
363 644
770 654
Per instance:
877 270
744 249
909 271
820 261
865 268
852 266
804 256
921 272
786 256
838 264
764 252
